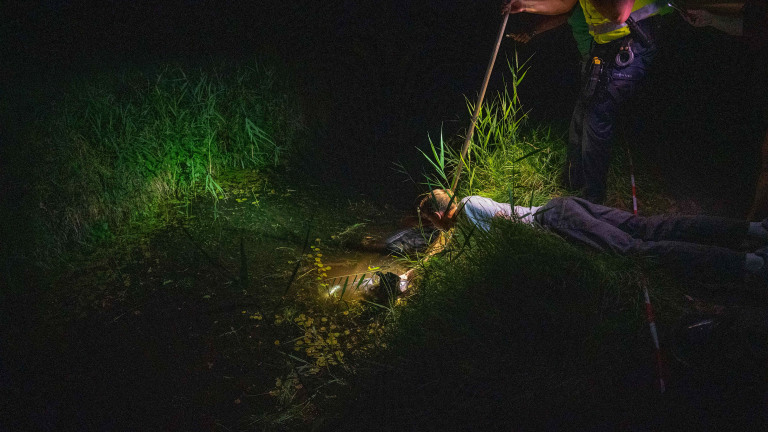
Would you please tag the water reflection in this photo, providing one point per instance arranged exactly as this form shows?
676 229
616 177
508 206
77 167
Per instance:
357 275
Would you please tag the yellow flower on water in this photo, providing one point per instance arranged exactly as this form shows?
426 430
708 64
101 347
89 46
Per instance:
277 342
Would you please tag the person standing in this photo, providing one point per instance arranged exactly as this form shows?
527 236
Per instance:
626 36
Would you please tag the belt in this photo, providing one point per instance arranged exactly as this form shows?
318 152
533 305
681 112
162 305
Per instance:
640 14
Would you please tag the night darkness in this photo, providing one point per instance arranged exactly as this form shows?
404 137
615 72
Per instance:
375 79
382 76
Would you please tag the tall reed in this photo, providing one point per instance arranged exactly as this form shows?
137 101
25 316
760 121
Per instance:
509 158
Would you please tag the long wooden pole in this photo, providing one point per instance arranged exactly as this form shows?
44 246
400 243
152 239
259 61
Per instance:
479 103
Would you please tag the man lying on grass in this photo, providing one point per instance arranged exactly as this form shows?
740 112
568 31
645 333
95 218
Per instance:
697 245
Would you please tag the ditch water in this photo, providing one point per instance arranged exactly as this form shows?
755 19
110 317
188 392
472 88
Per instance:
167 336
354 274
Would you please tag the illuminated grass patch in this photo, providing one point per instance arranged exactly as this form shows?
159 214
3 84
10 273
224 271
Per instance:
117 147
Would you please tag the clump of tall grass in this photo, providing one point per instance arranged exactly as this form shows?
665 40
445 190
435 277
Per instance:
117 146
508 157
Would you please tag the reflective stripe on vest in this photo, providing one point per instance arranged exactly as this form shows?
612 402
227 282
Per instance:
604 31
640 14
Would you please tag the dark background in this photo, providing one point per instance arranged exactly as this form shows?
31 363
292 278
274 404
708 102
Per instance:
377 78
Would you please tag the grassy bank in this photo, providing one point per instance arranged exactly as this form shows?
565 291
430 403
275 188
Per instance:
513 328
516 328
117 148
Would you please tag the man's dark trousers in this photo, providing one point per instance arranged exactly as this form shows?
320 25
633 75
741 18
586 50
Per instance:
595 115
693 244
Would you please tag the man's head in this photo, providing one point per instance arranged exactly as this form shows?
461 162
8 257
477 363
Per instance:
439 207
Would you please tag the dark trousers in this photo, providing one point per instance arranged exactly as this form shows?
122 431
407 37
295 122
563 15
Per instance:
594 117
693 244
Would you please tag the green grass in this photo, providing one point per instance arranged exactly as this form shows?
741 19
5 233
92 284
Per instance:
508 159
515 327
118 147
512 159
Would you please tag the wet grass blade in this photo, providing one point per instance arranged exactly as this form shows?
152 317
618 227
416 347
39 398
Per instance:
298 262
527 155
344 288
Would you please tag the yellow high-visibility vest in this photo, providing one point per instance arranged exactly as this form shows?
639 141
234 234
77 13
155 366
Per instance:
604 31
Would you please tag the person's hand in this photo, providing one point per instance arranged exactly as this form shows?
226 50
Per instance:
406 279
520 37
698 18
408 275
512 7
